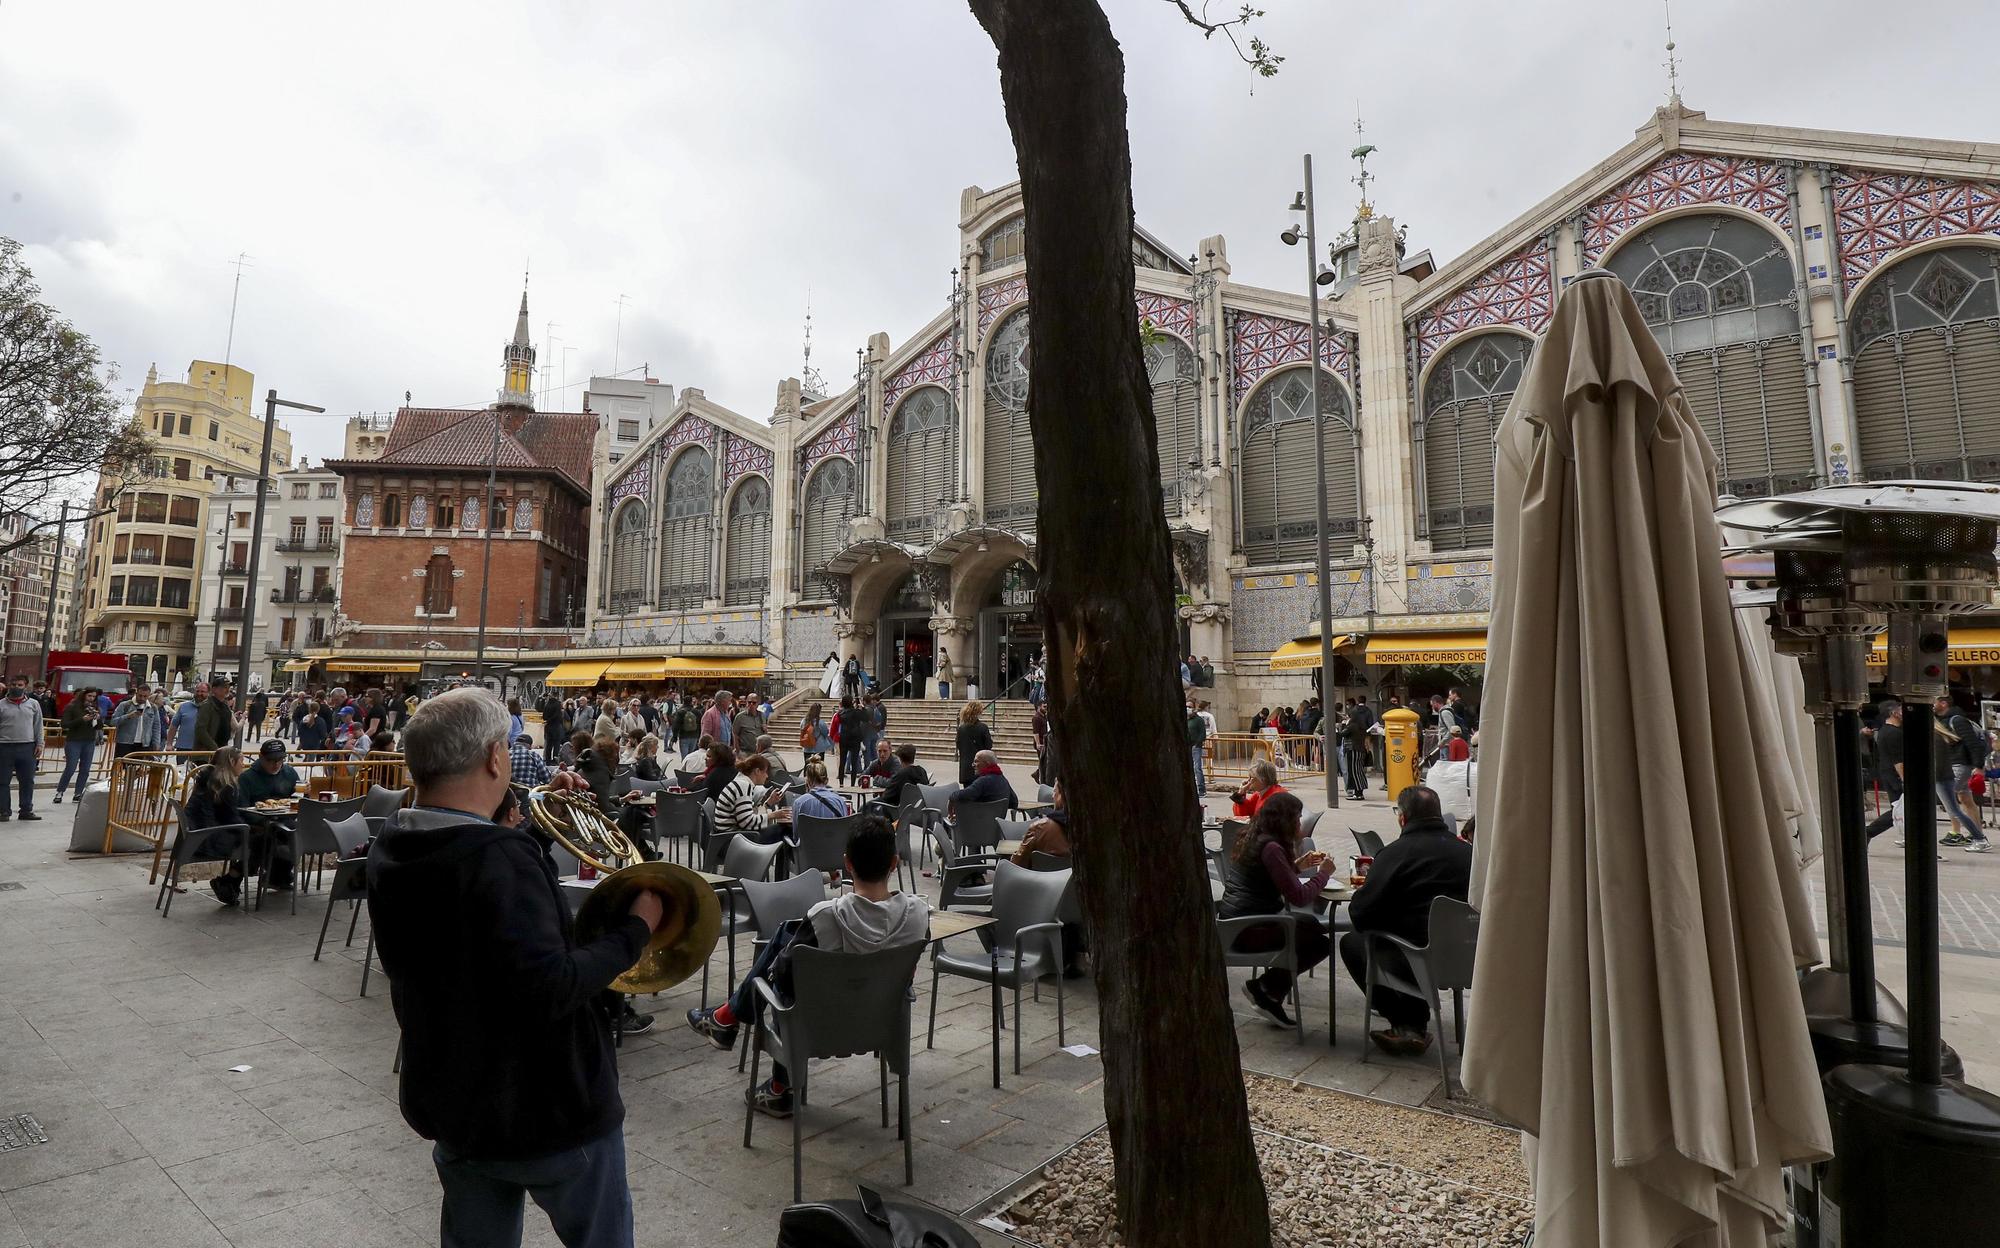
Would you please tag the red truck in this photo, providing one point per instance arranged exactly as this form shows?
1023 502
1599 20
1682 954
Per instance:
74 670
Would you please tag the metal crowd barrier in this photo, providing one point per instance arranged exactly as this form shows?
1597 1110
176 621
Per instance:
1230 755
143 782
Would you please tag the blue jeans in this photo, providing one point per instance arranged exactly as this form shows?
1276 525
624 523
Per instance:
77 757
1200 781
744 1002
583 1191
17 763
1947 792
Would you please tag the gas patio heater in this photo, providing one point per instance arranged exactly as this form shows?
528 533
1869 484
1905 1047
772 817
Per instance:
1911 1142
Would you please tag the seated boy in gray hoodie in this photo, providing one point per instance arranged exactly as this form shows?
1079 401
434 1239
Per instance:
874 916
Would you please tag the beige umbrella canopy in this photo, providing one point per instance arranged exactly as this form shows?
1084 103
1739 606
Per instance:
1634 1005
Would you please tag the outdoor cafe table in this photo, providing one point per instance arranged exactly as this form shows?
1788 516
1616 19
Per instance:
946 924
274 820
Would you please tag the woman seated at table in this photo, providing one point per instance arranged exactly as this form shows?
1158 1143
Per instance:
1264 878
212 803
738 795
819 800
646 758
1259 788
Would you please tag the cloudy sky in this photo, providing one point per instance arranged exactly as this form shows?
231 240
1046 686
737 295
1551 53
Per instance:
390 169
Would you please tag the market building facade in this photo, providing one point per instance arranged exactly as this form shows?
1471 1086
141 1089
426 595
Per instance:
1830 300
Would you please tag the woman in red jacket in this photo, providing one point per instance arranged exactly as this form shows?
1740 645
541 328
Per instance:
1257 790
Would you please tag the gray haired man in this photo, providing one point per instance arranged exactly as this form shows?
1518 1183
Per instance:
508 1062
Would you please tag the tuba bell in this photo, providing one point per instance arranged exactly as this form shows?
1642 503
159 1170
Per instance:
572 817
690 924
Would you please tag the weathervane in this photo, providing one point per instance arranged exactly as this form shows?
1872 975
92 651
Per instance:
1673 62
1361 152
814 383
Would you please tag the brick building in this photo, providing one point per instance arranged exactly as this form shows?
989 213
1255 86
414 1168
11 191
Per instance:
418 533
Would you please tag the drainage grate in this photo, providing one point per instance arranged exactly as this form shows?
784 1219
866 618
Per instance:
20 1131
11 886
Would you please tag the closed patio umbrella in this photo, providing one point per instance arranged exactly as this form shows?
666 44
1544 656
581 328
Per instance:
1634 1006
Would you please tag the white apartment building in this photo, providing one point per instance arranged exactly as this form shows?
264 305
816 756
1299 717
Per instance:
627 409
297 576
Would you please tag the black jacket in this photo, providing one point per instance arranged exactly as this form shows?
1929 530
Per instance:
505 1054
899 784
972 738
1425 862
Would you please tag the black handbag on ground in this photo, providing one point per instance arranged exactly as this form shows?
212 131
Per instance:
869 1222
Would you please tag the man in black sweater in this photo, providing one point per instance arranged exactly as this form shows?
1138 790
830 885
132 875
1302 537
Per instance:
507 1058
1424 863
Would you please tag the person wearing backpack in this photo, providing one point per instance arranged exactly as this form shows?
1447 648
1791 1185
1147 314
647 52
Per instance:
1968 754
687 726
1197 738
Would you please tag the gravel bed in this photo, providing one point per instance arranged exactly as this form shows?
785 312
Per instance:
1320 1197
1435 1143
1339 1169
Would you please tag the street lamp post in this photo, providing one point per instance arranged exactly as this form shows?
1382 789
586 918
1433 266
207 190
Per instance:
1316 276
271 405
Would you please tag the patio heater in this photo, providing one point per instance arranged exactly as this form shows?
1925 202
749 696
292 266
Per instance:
1911 1141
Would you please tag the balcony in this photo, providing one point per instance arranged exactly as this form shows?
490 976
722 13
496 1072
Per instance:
323 594
228 652
234 569
226 613
307 546
278 648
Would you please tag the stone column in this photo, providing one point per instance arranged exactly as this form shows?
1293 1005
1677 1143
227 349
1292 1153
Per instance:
877 438
1388 495
957 637
853 641
1205 571
1816 229
784 497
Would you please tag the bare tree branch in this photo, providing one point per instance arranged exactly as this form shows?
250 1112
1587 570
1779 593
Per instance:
1259 55
63 433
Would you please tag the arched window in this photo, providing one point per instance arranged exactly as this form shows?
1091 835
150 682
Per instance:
923 447
438 585
1927 368
1464 399
746 558
829 505
687 530
1170 369
1009 452
1279 487
628 557
1719 294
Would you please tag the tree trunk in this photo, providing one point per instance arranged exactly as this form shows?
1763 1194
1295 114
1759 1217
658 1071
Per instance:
1173 1087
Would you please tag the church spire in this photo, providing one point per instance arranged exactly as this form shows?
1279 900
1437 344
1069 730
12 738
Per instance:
517 361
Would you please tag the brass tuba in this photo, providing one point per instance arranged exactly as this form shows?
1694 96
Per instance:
572 817
689 926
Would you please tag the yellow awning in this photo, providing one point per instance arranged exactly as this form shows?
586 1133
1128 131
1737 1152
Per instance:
636 669
299 665
683 667
373 665
1427 648
1296 656
1970 647
576 673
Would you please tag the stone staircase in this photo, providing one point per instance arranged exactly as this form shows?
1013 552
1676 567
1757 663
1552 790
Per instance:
931 724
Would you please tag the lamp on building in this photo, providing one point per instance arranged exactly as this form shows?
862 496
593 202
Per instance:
1303 203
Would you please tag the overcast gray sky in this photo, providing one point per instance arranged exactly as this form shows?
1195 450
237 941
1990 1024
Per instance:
390 168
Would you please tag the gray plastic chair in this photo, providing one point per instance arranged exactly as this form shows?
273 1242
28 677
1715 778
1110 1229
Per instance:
976 830
690 780
380 803
677 820
1444 963
771 906
745 860
192 845
312 833
842 1004
820 844
1286 955
350 884
1023 945
912 814
1369 843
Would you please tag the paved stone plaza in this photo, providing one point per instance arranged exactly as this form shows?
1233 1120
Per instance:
118 1030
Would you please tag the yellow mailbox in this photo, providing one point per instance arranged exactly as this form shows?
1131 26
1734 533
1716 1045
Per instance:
1405 743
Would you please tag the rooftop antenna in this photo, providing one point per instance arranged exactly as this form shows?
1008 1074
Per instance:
1673 61
618 335
229 347
813 381
1362 150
